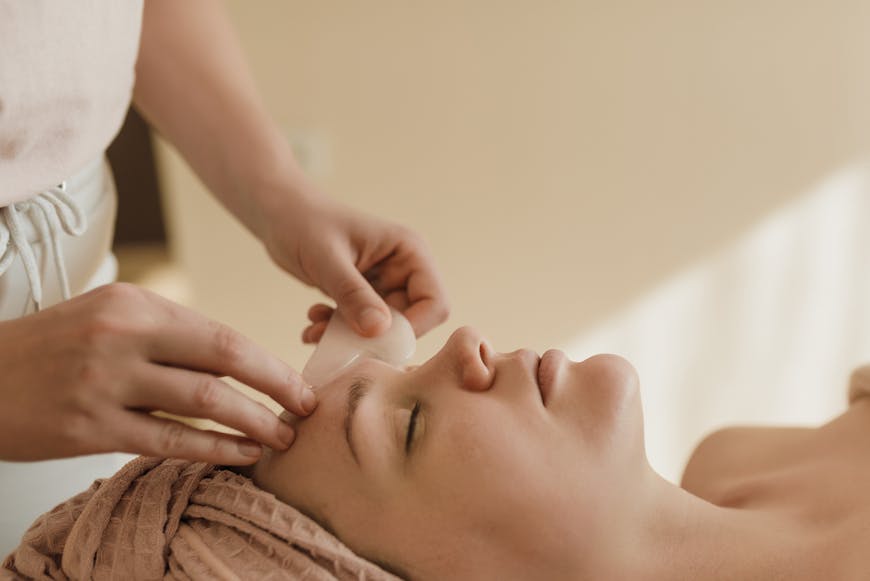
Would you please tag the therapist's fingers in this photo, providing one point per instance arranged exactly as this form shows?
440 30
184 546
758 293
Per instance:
141 433
358 302
409 278
319 315
313 333
320 312
412 271
201 395
189 340
398 300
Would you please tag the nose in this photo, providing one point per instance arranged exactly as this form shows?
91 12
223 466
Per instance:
471 357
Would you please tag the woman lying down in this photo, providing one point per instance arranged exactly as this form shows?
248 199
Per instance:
479 465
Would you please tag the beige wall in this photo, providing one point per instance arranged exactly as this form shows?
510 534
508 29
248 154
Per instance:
562 158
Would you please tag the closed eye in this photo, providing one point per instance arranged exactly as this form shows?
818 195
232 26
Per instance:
412 426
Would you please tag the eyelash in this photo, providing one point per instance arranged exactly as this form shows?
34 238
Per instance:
412 425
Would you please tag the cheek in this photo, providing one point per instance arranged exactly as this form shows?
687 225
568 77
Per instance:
490 466
497 481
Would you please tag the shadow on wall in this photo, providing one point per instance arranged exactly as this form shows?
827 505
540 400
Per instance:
765 331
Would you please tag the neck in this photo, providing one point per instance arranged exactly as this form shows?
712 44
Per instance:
676 535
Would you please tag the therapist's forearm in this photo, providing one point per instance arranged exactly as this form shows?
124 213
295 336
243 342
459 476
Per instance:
194 86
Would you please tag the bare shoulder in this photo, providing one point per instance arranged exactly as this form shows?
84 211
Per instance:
732 454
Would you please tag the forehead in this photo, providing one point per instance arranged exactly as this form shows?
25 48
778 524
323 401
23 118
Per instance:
320 438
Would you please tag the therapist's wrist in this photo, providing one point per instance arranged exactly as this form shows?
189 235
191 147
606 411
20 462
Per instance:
286 210
261 178
277 193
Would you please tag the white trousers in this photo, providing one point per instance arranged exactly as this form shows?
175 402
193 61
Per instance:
28 489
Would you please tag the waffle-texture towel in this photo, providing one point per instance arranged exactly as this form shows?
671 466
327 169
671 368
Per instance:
174 519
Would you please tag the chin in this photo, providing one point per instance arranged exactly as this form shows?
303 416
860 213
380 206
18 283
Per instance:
613 370
607 387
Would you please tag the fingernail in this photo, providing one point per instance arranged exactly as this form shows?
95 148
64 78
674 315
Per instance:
371 318
309 400
250 449
285 433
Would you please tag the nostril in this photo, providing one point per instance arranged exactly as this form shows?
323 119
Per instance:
473 358
477 373
486 352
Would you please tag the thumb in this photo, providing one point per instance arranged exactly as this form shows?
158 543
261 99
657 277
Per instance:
356 300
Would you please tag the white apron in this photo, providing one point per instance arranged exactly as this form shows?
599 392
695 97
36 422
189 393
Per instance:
59 238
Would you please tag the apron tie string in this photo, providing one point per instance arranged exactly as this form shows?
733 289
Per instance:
49 212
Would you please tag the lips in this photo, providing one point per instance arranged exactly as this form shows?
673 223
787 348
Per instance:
547 371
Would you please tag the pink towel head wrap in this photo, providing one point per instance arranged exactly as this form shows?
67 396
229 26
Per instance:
174 519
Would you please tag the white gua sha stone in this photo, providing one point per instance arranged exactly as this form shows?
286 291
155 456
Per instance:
340 346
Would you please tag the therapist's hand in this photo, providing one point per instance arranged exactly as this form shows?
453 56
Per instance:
363 263
81 377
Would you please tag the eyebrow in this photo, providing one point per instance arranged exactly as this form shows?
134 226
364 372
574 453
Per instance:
359 388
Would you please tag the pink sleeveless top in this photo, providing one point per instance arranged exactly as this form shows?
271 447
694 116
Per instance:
66 79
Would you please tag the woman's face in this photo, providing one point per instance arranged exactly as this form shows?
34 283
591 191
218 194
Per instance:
471 458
